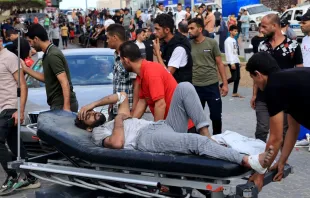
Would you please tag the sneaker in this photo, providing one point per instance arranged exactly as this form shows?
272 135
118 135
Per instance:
29 183
7 184
303 142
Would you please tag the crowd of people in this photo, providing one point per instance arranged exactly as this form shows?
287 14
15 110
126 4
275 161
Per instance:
169 64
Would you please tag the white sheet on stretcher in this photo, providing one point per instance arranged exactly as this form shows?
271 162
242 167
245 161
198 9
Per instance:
242 144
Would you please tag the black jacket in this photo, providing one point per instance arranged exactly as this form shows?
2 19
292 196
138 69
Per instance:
183 74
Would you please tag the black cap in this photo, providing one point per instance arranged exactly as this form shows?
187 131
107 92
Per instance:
284 22
306 17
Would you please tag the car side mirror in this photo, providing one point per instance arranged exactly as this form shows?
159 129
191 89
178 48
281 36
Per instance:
298 18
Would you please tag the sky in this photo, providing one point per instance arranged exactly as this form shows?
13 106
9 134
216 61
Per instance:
67 4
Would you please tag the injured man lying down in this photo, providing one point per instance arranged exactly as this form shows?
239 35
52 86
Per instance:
166 136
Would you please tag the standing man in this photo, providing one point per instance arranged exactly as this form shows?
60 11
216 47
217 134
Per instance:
305 45
210 22
288 55
56 76
160 10
175 54
145 46
127 20
232 58
180 15
123 80
285 91
206 61
217 15
9 117
25 50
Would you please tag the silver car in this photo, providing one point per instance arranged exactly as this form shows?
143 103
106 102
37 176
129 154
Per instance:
91 76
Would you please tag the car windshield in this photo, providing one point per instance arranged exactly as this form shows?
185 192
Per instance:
258 9
84 70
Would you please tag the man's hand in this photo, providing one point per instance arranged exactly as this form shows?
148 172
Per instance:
156 47
15 116
83 111
233 67
253 103
280 168
224 90
23 64
258 180
110 108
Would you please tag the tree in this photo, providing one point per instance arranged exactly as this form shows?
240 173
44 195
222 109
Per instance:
11 4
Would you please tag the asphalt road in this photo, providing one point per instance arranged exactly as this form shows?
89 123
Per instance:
239 117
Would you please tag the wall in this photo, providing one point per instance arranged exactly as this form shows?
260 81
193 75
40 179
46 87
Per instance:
110 4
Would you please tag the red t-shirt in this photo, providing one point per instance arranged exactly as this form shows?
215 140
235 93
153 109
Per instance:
157 83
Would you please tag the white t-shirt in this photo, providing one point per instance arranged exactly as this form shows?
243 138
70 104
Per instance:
140 45
131 131
108 22
305 49
231 51
142 48
179 16
178 58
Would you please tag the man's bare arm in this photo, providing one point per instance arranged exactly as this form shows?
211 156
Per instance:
140 108
171 69
290 139
136 90
37 75
276 134
23 90
117 139
64 82
222 72
160 109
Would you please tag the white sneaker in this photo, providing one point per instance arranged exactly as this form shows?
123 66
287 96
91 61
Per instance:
303 142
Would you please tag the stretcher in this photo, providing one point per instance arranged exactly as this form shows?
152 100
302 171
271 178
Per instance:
77 162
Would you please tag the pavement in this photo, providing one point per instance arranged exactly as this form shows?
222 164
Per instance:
239 117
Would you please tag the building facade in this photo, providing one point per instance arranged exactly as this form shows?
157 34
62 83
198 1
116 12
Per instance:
111 4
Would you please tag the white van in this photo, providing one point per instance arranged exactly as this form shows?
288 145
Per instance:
292 15
256 12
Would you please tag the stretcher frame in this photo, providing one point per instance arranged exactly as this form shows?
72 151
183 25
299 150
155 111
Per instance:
70 171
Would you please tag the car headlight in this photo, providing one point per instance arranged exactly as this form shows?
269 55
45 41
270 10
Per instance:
258 19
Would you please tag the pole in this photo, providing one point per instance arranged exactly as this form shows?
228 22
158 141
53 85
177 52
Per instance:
121 3
192 4
18 102
86 11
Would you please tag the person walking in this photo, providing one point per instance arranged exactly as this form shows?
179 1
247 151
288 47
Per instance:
64 35
56 75
232 59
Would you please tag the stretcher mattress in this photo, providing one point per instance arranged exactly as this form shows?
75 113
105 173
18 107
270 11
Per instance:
57 129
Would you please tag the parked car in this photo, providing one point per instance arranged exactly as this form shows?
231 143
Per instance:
293 16
91 76
256 12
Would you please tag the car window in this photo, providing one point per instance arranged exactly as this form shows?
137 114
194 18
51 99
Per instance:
287 15
257 9
298 13
84 70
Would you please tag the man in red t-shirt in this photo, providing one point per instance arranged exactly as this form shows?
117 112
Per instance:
157 83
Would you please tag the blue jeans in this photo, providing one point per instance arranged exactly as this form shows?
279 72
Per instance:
245 32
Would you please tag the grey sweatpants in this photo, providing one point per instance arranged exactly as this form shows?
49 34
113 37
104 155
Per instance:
170 136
